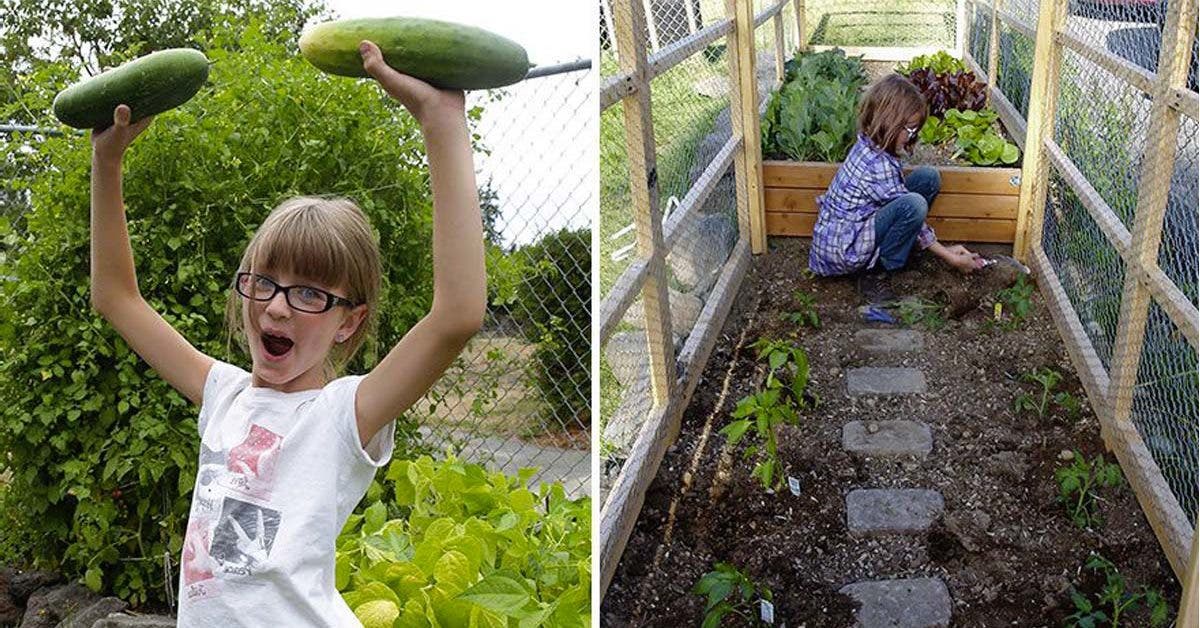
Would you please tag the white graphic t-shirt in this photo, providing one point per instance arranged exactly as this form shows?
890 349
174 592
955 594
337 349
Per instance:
279 475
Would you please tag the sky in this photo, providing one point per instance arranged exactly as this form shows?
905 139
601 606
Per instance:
542 134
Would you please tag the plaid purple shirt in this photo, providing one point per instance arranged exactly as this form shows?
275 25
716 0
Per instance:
844 236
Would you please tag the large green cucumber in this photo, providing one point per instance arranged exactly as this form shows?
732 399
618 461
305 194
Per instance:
443 54
151 84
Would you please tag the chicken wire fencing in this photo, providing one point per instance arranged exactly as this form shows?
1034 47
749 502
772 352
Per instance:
519 394
1119 231
693 122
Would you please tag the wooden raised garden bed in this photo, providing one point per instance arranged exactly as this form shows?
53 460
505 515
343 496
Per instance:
975 204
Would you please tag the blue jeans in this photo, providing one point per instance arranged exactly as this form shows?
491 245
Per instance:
898 223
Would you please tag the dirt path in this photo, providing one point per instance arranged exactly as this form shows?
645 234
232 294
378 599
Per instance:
1003 545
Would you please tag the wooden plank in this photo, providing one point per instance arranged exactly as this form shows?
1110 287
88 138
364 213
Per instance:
879 53
701 190
1043 100
745 118
677 52
606 15
778 22
947 229
1153 183
801 36
643 192
1016 125
1172 300
1189 606
768 12
651 27
614 88
960 28
620 511
955 179
1131 73
983 206
1018 24
620 297
993 60
1187 102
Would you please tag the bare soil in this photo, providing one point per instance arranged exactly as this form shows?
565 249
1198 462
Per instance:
1005 547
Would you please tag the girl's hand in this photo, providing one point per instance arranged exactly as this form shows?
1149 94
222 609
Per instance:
962 259
423 100
110 144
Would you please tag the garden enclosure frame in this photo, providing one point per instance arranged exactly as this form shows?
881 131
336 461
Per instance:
1130 361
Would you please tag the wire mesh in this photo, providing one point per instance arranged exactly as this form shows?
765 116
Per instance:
1090 269
1178 254
1015 64
519 396
979 37
899 23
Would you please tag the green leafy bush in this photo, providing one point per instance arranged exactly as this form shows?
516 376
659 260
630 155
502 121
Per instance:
939 62
813 116
102 451
728 591
555 297
458 546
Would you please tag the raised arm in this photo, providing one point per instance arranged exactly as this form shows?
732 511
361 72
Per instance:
459 282
115 293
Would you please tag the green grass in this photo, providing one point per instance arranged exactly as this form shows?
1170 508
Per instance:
881 23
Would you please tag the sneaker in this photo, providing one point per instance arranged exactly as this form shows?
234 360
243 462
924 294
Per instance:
873 286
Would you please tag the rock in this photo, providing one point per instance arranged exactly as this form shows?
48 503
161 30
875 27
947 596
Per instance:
49 606
135 621
685 309
1066 455
888 438
873 512
704 244
628 356
1009 464
913 603
101 609
10 611
626 421
712 87
875 380
24 584
889 341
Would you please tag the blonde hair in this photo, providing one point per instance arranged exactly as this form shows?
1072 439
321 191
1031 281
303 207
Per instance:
886 108
327 240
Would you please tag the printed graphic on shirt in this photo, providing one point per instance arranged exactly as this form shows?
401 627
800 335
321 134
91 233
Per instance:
206 498
243 538
197 564
252 462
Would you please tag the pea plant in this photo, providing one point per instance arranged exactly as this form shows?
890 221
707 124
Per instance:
1017 301
805 314
922 312
728 591
779 400
1117 597
1077 483
1048 379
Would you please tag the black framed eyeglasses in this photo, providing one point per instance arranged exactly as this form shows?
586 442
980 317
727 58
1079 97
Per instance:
302 298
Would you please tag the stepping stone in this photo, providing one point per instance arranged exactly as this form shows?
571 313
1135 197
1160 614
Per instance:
889 340
876 511
912 603
887 438
884 380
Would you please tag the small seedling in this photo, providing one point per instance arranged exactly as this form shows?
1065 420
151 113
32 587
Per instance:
1070 403
921 311
729 591
1016 301
1117 597
806 311
1076 483
782 396
1048 379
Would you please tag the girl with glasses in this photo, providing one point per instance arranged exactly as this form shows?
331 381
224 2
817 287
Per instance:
871 216
288 448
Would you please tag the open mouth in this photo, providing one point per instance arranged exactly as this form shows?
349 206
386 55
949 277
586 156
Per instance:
276 346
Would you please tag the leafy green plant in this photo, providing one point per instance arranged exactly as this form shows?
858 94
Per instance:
974 135
813 115
1077 481
783 395
1116 598
728 591
101 450
918 311
1017 301
1039 403
805 313
939 62
459 546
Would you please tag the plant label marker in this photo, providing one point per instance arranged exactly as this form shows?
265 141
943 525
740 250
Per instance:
997 310
794 485
766 611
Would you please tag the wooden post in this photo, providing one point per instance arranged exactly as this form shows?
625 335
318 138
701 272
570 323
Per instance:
691 16
1043 100
960 27
743 104
778 22
993 60
801 36
1153 184
606 15
1189 605
643 191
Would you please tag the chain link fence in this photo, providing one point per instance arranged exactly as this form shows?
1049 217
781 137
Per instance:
1117 247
